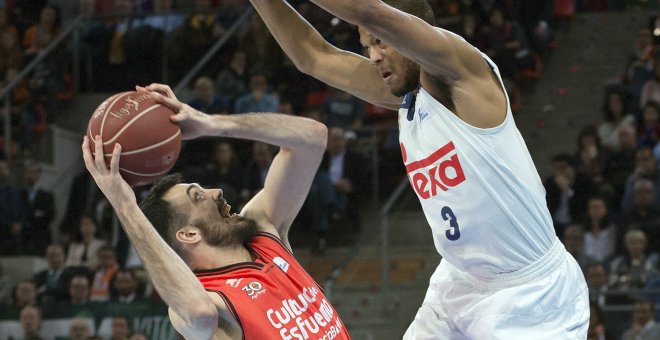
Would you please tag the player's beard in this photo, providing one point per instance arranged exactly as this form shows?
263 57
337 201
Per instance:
223 234
410 80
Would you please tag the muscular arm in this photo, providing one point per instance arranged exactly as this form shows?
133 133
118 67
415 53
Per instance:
302 143
441 54
318 58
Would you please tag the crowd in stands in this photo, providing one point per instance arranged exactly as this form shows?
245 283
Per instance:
604 198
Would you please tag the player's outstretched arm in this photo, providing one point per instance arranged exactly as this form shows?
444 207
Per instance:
176 284
442 55
313 55
437 51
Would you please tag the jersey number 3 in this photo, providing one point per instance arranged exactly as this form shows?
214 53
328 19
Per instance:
454 232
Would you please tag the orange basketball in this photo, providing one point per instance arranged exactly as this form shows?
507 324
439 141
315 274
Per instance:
150 142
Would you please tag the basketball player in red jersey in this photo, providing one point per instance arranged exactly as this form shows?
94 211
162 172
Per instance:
226 275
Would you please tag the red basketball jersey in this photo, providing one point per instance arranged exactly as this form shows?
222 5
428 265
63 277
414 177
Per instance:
274 297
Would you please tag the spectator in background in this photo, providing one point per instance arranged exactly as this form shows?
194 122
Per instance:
506 44
27 12
621 163
262 51
648 131
591 157
25 294
472 31
537 19
120 328
5 287
40 210
83 252
596 330
596 277
79 290
567 192
600 233
5 24
206 99
79 329
124 286
51 283
161 18
256 171
348 173
633 269
615 114
639 67
192 39
232 81
573 240
258 99
645 167
107 267
643 325
12 214
222 172
645 214
41 34
11 53
341 109
30 318
651 88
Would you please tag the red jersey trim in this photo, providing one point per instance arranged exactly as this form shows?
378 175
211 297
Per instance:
228 269
276 239
232 309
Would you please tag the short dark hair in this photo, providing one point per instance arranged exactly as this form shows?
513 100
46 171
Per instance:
419 8
165 219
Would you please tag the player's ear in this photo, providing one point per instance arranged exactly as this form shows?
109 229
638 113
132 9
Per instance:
189 235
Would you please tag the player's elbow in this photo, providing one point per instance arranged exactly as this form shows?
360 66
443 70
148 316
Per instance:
319 135
204 318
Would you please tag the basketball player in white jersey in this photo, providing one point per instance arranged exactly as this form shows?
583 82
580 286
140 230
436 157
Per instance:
504 274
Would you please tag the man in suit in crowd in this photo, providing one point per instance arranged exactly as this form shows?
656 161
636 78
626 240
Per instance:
52 283
40 210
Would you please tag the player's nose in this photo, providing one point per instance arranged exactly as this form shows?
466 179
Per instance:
375 57
216 194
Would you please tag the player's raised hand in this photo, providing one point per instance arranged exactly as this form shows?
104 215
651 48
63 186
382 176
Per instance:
113 186
193 123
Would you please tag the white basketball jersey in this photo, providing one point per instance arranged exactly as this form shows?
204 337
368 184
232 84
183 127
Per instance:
479 188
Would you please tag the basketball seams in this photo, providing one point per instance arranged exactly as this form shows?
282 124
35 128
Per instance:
145 175
107 110
150 147
130 122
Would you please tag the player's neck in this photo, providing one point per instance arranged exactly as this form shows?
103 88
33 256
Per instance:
213 257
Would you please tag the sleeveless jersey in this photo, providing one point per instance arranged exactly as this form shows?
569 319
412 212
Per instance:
479 188
274 297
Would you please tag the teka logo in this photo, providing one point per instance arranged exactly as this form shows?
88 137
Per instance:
439 171
254 289
234 282
281 263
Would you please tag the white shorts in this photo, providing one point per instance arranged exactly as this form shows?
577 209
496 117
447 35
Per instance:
546 300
